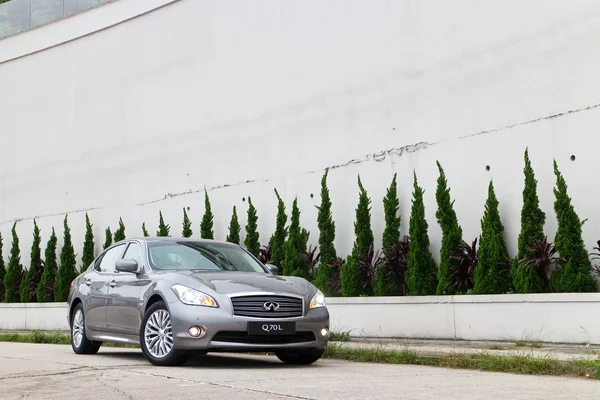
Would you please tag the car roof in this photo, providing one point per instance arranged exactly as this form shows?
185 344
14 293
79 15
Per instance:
177 239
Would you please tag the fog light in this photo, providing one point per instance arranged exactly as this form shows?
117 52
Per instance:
196 331
324 332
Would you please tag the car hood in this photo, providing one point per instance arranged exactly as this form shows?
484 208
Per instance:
227 282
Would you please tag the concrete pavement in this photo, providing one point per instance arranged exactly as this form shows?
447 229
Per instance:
38 371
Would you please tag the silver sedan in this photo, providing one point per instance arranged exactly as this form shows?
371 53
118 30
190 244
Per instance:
175 297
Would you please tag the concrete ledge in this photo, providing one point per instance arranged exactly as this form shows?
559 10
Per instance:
551 318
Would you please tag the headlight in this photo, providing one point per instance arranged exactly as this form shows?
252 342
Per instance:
318 300
193 297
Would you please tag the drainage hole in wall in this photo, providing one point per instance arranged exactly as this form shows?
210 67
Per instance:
487 168
243 199
572 157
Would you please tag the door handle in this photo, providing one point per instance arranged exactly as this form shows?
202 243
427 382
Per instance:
88 282
113 284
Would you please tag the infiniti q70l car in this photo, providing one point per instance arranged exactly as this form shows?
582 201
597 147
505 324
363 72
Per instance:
175 297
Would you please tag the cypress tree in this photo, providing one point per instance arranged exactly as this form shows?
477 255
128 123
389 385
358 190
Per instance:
120 232
293 264
492 275
382 284
163 229
2 271
45 290
252 236
279 237
14 272
576 272
67 269
354 280
187 225
234 229
144 230
206 226
88 245
107 239
327 278
34 273
421 270
451 233
527 280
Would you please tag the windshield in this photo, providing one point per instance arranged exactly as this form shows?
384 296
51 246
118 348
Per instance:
200 256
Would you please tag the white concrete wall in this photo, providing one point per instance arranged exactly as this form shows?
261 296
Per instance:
245 96
558 318
551 318
34 316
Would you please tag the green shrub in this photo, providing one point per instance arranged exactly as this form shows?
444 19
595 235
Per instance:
120 232
387 280
492 274
327 278
206 226
354 280
67 270
107 238
294 246
421 274
14 272
451 234
576 272
528 280
278 239
144 230
88 245
234 228
2 272
45 290
34 273
252 236
186 232
163 229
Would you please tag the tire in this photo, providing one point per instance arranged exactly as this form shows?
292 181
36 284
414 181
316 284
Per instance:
301 357
157 339
79 341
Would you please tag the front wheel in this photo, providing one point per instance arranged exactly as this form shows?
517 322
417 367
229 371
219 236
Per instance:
299 357
157 339
79 341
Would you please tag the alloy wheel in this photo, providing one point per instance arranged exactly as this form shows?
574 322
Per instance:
158 334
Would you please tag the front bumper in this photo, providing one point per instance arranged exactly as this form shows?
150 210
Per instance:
227 332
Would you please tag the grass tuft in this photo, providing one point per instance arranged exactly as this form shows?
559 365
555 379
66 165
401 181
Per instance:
517 364
339 336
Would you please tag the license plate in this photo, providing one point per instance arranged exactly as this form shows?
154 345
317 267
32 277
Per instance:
271 328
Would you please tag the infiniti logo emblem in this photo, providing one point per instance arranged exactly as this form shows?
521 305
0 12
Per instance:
271 306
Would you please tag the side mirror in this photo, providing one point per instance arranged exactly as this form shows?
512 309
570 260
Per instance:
127 265
273 268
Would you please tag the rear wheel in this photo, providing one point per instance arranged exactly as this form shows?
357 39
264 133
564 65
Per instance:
299 357
79 341
157 339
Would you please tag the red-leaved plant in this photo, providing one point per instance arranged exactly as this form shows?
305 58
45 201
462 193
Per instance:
264 254
367 264
596 256
543 260
395 262
463 267
334 285
311 258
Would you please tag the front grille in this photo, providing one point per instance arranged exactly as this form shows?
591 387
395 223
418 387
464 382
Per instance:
258 306
243 337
